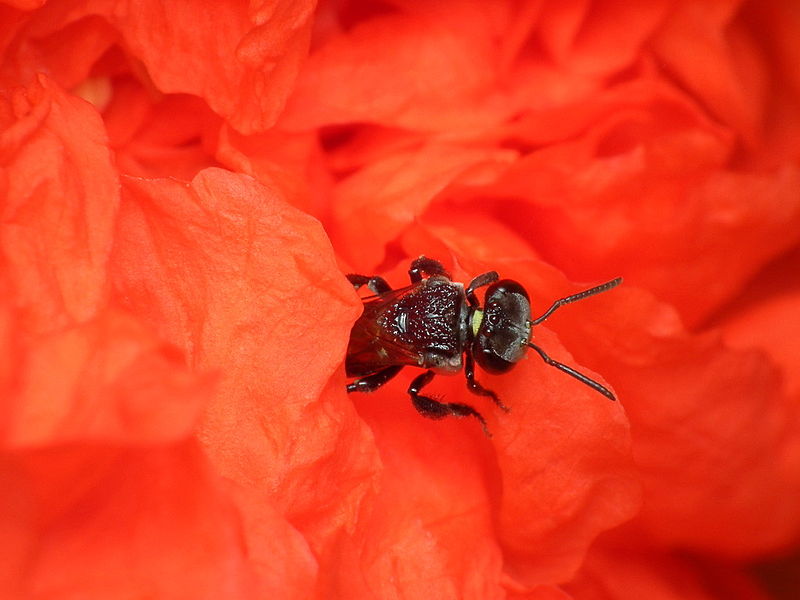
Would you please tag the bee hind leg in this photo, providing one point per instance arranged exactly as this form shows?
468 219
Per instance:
433 409
370 383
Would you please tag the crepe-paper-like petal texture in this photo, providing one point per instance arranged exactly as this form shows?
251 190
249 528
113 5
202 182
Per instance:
384 198
580 481
247 285
429 529
167 137
704 487
107 379
119 523
290 163
225 53
97 409
231 53
174 420
60 39
697 212
61 194
441 60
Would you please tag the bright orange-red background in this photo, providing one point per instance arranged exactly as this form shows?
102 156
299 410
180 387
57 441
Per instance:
183 186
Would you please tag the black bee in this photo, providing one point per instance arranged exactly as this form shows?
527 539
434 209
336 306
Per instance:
437 325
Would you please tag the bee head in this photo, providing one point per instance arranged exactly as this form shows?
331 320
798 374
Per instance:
501 329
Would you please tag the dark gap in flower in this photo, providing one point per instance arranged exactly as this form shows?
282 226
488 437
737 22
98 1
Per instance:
741 157
774 279
534 49
632 72
113 63
722 578
332 137
780 99
622 139
780 576
516 143
672 78
353 13
351 146
535 224
394 254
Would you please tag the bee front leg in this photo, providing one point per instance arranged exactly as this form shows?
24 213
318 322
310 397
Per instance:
477 388
370 383
376 284
433 409
479 281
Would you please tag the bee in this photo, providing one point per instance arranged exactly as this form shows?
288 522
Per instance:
437 325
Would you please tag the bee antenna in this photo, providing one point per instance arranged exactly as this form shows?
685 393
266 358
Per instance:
572 372
579 296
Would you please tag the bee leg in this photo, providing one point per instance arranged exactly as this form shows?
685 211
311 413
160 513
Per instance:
376 284
433 409
370 383
477 388
479 281
423 264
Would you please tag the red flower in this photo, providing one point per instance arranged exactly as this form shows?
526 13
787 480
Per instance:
174 314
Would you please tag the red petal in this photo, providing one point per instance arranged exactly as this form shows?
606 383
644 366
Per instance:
715 435
766 318
700 44
105 380
564 454
290 163
230 55
440 67
242 59
376 204
116 523
697 213
61 198
428 530
600 37
169 137
248 285
65 44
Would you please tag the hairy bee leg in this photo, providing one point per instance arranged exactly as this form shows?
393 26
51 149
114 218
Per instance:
477 388
433 409
370 383
479 281
423 264
376 284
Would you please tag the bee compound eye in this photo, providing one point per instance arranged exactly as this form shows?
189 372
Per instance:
486 352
